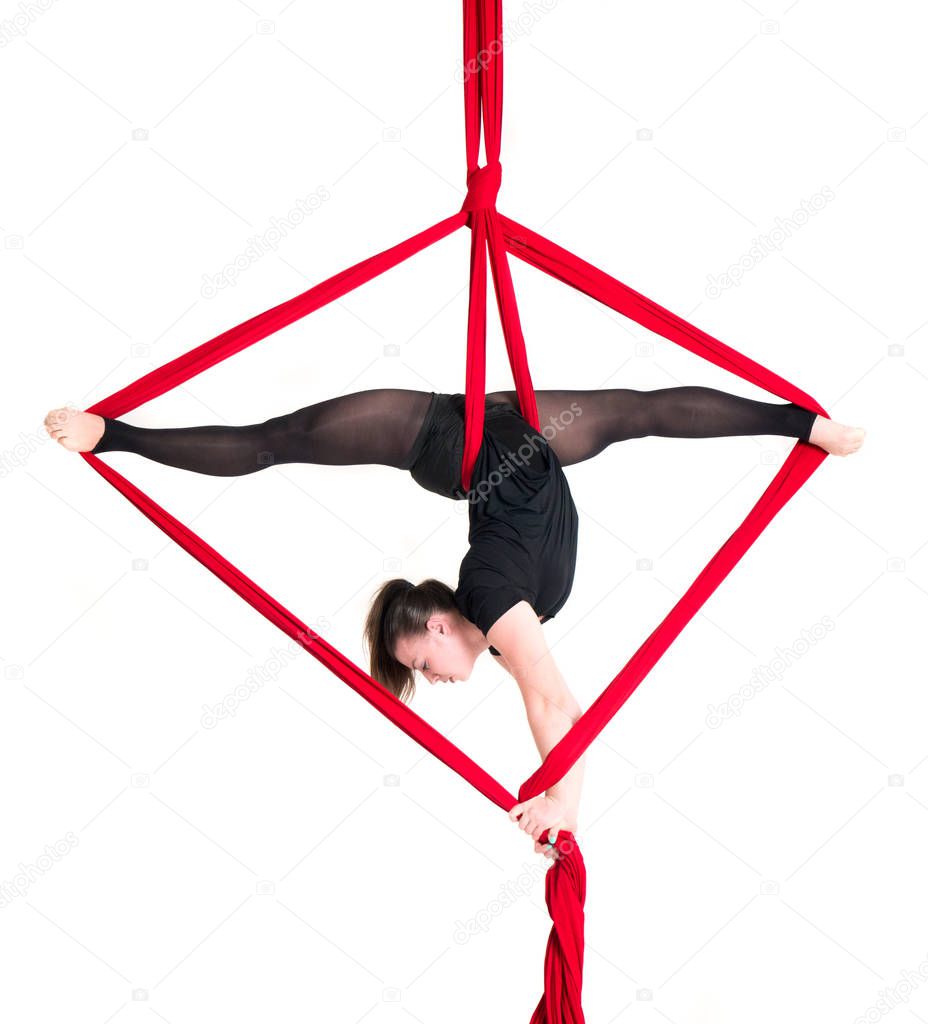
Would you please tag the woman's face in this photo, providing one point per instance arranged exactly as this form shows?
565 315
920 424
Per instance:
441 653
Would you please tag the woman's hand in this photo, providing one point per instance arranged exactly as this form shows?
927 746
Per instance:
541 817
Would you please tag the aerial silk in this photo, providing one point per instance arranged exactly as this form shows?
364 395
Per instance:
496 236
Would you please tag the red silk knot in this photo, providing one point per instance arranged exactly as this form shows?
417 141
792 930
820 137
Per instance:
483 187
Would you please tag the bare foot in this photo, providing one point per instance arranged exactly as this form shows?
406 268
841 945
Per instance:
836 438
75 430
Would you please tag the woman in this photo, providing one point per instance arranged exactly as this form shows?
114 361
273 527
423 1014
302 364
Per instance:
519 569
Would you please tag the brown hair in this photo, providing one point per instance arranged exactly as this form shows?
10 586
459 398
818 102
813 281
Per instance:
400 608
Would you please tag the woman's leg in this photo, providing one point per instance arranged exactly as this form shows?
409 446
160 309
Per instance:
586 422
376 426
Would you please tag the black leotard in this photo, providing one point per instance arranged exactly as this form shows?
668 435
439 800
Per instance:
523 522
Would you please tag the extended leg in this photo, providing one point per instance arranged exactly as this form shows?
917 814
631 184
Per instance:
376 426
586 422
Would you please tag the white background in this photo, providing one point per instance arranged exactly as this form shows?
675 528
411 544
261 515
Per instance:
763 867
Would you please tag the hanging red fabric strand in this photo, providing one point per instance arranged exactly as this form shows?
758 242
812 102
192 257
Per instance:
493 236
483 100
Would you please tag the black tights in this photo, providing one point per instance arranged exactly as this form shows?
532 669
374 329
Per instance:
380 426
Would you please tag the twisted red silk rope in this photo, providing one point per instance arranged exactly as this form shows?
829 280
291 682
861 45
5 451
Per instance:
497 236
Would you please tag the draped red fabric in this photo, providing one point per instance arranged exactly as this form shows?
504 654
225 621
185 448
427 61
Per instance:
493 236
565 894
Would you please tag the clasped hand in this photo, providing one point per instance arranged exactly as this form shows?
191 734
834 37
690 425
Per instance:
541 817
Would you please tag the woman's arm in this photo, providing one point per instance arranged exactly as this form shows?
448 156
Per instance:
549 727
550 707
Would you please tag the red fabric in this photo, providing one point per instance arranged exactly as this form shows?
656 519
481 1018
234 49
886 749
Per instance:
483 98
802 461
565 894
494 235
